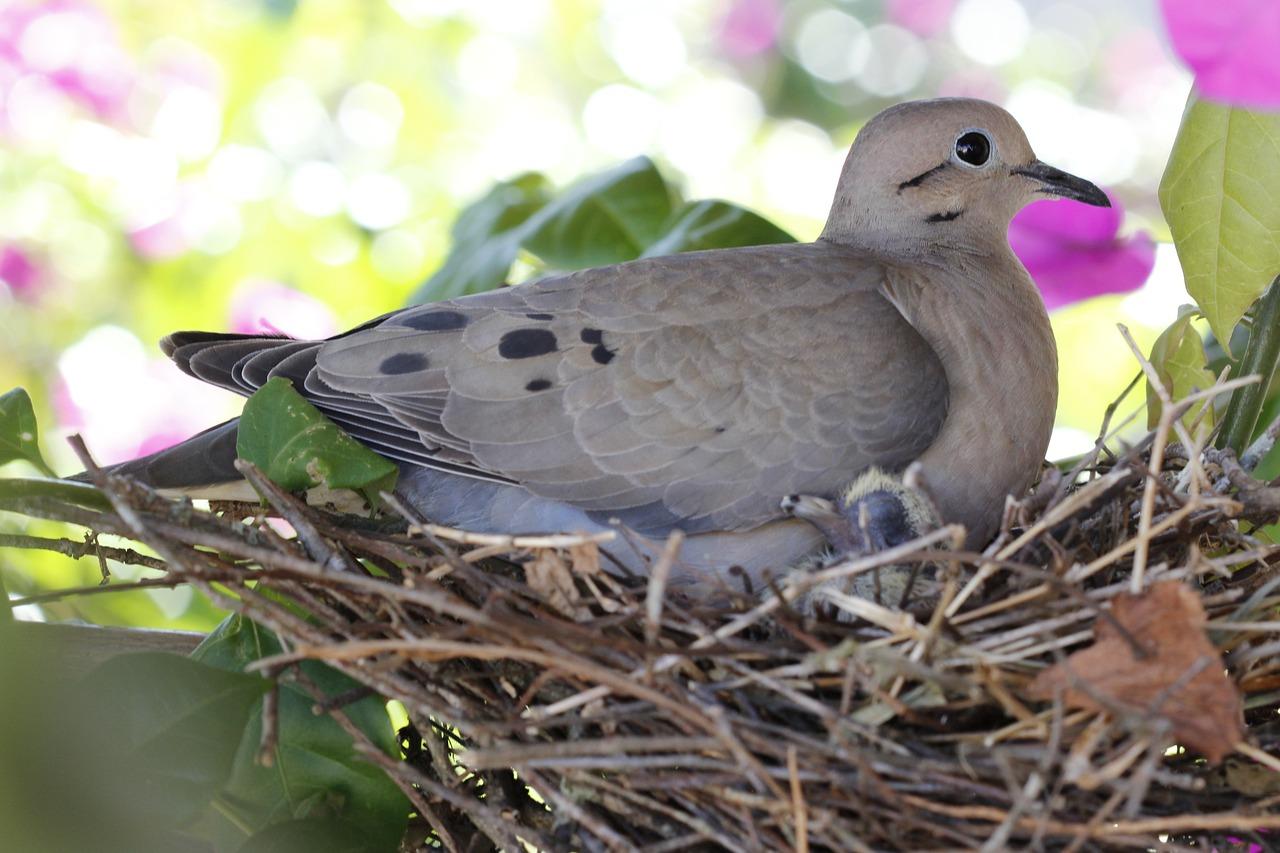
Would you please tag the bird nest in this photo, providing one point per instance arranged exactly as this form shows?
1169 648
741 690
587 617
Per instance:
1124 608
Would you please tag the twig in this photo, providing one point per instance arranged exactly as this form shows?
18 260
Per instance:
657 588
1256 452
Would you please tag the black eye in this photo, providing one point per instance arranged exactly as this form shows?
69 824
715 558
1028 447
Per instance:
974 148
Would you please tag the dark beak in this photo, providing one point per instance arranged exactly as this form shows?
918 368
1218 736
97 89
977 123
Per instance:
1057 182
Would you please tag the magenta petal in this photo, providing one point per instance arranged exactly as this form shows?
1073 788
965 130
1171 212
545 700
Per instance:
159 240
1120 268
1233 46
923 17
267 307
19 271
1072 252
160 440
1070 220
751 27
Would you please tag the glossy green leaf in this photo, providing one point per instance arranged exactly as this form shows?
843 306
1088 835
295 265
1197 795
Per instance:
298 447
1179 358
714 224
620 214
170 729
606 218
19 435
113 763
1221 196
316 773
486 239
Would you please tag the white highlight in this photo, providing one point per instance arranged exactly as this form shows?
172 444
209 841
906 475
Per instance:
991 32
378 201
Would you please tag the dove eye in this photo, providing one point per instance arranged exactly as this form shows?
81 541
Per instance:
974 148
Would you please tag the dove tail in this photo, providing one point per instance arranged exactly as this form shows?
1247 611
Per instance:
205 459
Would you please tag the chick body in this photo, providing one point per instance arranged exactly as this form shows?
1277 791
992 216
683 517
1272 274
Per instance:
874 512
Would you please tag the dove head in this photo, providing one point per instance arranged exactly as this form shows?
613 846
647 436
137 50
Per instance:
949 172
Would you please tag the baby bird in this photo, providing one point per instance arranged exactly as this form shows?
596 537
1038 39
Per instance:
873 513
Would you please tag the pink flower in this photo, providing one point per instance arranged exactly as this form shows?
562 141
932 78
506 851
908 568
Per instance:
71 45
925 18
751 27
268 307
159 240
1073 251
128 402
1232 46
20 272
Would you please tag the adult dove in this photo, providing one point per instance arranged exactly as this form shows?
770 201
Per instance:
696 391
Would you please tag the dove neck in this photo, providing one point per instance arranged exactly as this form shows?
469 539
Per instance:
894 241
990 329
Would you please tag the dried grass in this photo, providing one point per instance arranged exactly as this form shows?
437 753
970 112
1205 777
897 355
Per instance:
647 721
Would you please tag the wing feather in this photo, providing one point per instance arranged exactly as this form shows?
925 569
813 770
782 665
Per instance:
689 391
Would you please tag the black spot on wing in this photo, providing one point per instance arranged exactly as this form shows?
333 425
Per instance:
943 217
592 336
602 354
526 343
403 362
538 385
540 316
435 321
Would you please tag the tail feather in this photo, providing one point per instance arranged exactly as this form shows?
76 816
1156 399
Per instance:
254 370
205 459
243 364
215 358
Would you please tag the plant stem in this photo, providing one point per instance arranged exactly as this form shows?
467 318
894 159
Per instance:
6 610
70 491
1260 357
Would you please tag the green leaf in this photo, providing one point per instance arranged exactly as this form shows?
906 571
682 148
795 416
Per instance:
620 214
1221 196
19 436
714 224
1179 358
309 836
486 239
298 447
604 219
170 729
316 773
1259 359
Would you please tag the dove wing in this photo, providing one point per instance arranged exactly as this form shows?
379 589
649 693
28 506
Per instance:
694 390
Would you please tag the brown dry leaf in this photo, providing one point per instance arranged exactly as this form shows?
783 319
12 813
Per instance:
551 578
585 558
1249 778
1180 677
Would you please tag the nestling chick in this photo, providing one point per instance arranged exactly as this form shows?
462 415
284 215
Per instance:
875 512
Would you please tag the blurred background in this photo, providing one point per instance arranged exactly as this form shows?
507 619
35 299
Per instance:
297 164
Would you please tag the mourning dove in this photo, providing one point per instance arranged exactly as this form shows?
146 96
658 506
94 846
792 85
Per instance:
695 391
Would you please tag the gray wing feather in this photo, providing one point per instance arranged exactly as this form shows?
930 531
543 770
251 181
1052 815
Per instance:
690 391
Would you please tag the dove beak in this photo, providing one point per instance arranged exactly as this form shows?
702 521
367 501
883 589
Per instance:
1059 183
